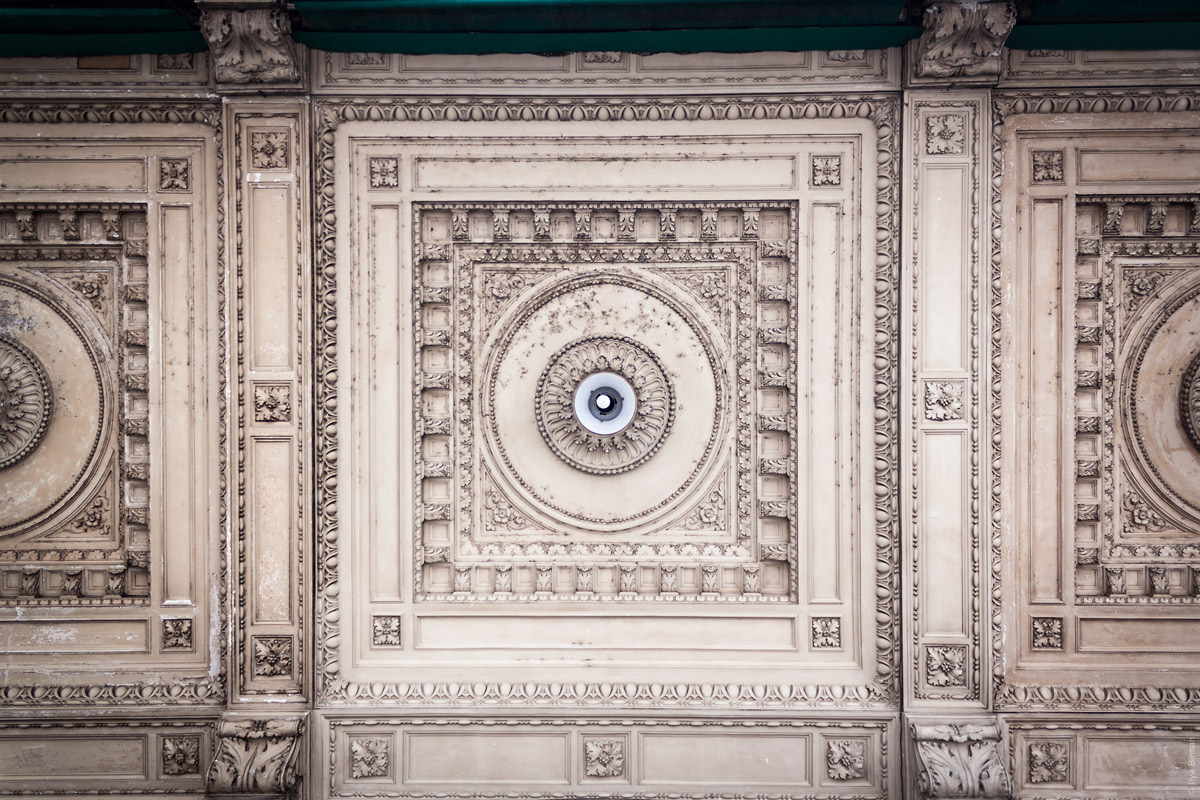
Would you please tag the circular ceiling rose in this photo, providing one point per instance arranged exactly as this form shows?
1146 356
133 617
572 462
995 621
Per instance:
604 404
603 400
1189 401
56 427
1160 376
26 402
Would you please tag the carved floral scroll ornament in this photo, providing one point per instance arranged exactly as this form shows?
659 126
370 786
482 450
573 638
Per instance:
963 39
960 761
251 45
256 756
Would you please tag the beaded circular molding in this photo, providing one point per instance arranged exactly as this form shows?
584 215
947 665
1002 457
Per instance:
590 377
1189 401
26 402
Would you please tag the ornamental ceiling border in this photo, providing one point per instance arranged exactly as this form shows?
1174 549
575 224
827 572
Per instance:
377 728
1006 695
179 691
883 111
368 71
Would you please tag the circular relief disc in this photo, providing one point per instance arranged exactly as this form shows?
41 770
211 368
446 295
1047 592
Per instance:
603 402
1189 401
1161 375
26 402
56 388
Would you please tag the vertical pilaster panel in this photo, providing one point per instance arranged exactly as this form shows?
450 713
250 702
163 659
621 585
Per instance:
269 217
945 249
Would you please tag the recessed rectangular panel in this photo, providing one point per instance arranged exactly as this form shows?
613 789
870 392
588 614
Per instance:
1135 764
71 636
33 757
484 63
272 299
1043 343
598 172
642 632
1160 166
389 409
942 460
180 311
726 759
1139 636
486 758
271 509
943 249
823 485
43 175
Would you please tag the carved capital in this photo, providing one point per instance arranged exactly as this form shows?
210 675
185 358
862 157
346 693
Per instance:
250 46
960 760
963 39
256 757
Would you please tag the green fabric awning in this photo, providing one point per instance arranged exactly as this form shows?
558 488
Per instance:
110 27
497 26
96 30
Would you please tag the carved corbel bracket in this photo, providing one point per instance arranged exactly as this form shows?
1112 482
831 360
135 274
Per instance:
960 760
963 40
251 44
255 757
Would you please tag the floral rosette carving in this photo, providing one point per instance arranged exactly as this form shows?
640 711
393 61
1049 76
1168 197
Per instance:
26 402
1189 401
604 454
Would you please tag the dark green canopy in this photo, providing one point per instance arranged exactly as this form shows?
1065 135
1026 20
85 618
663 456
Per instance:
83 27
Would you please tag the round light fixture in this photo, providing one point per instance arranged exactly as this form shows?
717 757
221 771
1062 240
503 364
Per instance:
605 403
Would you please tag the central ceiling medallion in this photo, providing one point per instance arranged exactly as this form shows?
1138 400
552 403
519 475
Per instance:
604 404
600 366
25 402
1189 401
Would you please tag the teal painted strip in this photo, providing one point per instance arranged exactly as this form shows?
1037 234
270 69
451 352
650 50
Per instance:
585 16
1101 11
48 21
690 41
101 44
1117 36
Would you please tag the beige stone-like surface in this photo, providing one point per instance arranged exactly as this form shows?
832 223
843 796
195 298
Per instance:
295 497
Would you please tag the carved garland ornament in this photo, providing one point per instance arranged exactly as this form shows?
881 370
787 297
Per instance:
563 410
26 402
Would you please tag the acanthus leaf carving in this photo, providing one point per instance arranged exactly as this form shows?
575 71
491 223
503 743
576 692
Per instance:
369 756
945 665
181 755
256 755
960 761
251 45
604 758
1048 762
964 40
269 149
845 759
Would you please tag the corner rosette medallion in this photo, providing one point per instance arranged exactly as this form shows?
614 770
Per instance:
604 404
26 402
1189 401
